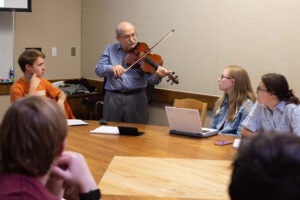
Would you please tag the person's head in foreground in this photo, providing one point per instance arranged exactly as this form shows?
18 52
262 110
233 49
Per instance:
32 136
267 167
33 163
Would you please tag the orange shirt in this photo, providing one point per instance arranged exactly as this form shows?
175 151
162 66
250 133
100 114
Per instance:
21 88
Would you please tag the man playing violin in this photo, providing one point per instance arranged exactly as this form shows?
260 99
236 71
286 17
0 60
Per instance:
125 97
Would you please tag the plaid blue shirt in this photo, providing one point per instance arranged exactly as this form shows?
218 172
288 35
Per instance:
284 118
133 79
234 127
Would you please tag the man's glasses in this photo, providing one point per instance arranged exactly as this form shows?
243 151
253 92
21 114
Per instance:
258 89
222 77
127 37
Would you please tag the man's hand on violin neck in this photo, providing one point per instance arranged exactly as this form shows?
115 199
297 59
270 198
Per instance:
161 72
118 70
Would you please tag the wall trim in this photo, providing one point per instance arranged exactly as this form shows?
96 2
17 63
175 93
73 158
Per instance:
168 96
5 88
159 95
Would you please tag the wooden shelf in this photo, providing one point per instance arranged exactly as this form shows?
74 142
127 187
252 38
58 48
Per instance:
5 88
86 106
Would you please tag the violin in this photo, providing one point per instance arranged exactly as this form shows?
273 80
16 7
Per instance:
149 63
141 57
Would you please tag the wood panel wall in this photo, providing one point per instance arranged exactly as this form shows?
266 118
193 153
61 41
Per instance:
159 95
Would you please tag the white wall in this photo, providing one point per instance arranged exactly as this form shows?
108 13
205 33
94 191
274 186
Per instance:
55 23
6 43
259 35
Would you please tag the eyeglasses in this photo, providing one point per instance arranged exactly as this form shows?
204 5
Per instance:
222 77
258 89
127 37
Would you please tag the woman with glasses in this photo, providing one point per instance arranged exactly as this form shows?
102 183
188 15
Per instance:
277 108
235 103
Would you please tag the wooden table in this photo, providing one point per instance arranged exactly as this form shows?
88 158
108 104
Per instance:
156 142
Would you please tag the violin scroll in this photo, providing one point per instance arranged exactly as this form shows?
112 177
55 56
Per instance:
173 78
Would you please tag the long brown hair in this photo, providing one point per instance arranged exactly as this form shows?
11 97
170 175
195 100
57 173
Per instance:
31 136
242 90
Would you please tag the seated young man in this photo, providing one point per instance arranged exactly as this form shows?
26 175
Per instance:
32 83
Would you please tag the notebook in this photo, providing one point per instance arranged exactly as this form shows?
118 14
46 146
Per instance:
184 121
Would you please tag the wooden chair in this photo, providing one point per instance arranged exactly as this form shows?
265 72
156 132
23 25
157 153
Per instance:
192 104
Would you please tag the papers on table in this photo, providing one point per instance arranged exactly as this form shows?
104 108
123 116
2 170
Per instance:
106 130
75 122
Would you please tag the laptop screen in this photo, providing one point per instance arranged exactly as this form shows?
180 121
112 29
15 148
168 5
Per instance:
184 119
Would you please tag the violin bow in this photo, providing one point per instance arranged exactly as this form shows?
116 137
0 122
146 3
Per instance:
145 54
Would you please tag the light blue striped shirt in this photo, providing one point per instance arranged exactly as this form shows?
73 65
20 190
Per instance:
284 118
133 79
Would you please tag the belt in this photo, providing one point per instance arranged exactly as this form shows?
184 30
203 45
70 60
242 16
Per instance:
128 92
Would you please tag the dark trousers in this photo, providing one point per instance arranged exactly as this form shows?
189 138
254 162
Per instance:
132 108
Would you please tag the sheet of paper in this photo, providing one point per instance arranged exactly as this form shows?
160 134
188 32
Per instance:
106 130
75 122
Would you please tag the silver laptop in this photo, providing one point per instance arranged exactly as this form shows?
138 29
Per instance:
184 121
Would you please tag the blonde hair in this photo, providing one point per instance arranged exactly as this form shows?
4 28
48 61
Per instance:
242 90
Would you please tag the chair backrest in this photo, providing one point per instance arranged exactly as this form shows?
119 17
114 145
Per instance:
192 104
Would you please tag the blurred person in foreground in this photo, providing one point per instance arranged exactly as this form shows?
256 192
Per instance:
267 167
33 163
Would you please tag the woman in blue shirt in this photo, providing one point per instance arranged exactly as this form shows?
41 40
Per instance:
236 102
277 108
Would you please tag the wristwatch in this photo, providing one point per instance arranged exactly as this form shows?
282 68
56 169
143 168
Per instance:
91 195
